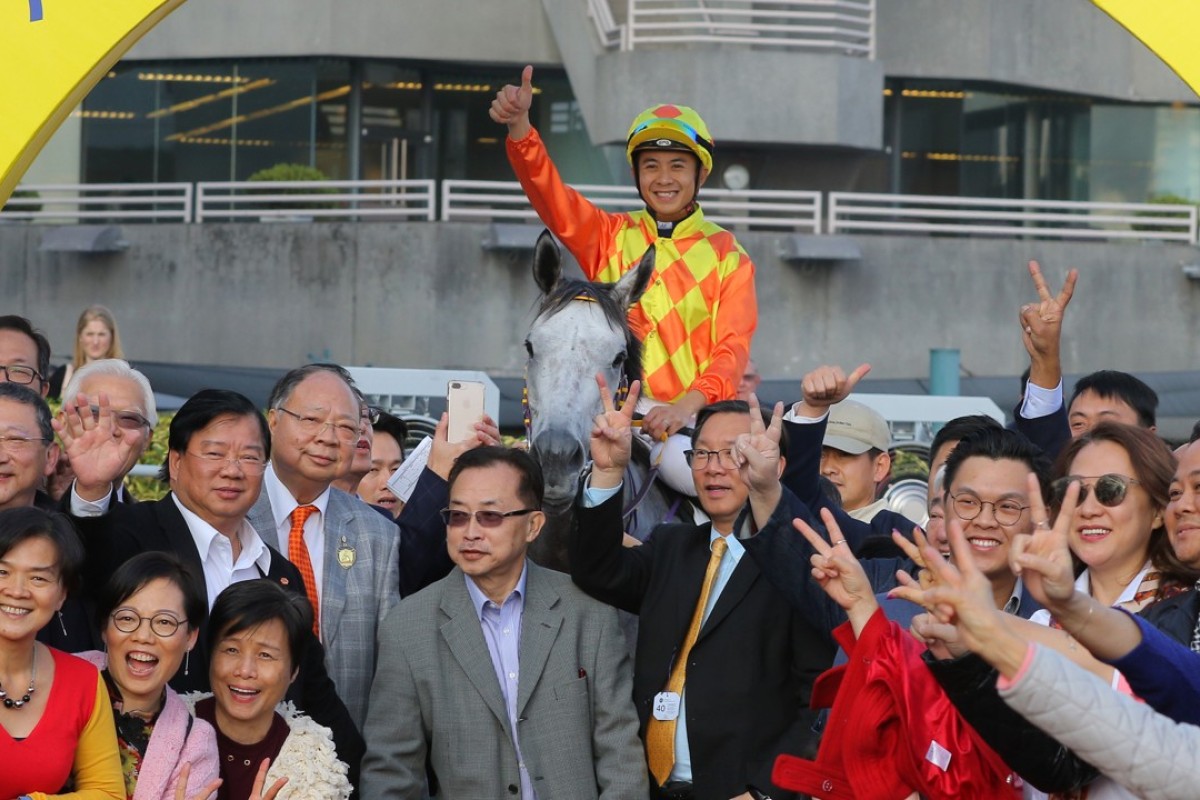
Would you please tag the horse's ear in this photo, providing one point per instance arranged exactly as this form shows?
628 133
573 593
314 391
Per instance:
628 290
547 262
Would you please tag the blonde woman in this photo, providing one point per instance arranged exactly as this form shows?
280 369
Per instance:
96 337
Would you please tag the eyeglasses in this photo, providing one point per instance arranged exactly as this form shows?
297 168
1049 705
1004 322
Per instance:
698 459
456 518
249 464
1110 489
1006 512
312 426
126 620
15 373
371 414
19 444
129 420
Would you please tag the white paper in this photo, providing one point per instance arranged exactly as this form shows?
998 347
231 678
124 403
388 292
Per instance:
938 756
404 479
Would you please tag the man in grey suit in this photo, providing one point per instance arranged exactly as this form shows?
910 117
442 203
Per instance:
510 680
346 551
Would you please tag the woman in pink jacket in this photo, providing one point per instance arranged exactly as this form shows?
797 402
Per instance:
150 613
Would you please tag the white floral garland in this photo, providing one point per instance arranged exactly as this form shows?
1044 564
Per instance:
307 759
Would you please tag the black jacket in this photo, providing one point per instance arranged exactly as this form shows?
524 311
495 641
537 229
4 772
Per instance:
750 673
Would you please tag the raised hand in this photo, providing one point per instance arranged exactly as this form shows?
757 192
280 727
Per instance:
941 638
1043 558
443 453
256 793
1041 327
612 435
962 595
925 576
757 453
838 572
95 445
181 786
512 104
827 385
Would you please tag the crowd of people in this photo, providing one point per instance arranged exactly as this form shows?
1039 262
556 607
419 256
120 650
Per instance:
1037 636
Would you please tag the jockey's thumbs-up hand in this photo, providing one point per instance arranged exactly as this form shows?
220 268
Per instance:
512 104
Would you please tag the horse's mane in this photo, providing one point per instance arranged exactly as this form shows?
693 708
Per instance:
568 290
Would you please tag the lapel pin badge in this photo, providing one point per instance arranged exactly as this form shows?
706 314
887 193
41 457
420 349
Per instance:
346 555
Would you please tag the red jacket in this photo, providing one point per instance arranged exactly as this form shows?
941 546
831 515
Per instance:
893 731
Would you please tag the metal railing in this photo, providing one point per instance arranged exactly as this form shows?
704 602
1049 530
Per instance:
844 26
806 211
505 200
100 202
610 33
326 200
1065 219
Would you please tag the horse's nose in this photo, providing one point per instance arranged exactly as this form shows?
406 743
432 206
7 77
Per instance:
561 457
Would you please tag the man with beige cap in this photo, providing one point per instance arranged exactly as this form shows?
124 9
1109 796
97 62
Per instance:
847 443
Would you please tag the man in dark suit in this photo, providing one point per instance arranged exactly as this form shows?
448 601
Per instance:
723 667
503 674
218 448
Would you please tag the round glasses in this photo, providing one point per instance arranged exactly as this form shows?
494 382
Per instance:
1006 512
1110 489
162 624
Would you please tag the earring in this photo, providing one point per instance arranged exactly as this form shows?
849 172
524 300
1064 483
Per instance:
63 623
187 658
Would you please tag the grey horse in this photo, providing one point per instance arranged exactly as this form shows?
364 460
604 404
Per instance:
582 329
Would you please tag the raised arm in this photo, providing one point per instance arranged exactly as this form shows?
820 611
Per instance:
819 389
1042 417
582 227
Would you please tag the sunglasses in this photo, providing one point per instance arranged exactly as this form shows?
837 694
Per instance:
1110 489
455 518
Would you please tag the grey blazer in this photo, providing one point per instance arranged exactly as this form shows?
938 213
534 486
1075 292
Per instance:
436 695
354 599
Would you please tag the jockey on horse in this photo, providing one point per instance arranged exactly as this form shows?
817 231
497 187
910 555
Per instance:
699 311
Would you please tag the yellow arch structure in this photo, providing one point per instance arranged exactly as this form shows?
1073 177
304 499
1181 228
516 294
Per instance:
1167 27
52 52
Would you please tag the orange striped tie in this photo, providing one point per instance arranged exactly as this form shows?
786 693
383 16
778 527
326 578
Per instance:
298 555
660 734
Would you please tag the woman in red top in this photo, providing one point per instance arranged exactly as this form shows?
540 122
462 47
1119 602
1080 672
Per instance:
56 724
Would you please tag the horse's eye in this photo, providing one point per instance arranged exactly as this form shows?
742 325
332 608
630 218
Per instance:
529 348
619 360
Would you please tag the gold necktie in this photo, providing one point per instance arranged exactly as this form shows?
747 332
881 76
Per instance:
660 734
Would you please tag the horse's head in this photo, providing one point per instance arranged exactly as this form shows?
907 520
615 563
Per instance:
581 329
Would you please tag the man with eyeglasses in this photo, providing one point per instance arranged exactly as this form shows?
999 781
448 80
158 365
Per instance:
218 447
131 403
353 554
24 354
507 679
724 667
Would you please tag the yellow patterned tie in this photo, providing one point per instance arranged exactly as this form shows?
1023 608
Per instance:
660 734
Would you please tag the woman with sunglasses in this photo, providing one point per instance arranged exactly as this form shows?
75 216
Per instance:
149 614
257 633
56 727
1117 529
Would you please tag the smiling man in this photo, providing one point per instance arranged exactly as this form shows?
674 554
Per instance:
506 677
723 667
699 311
